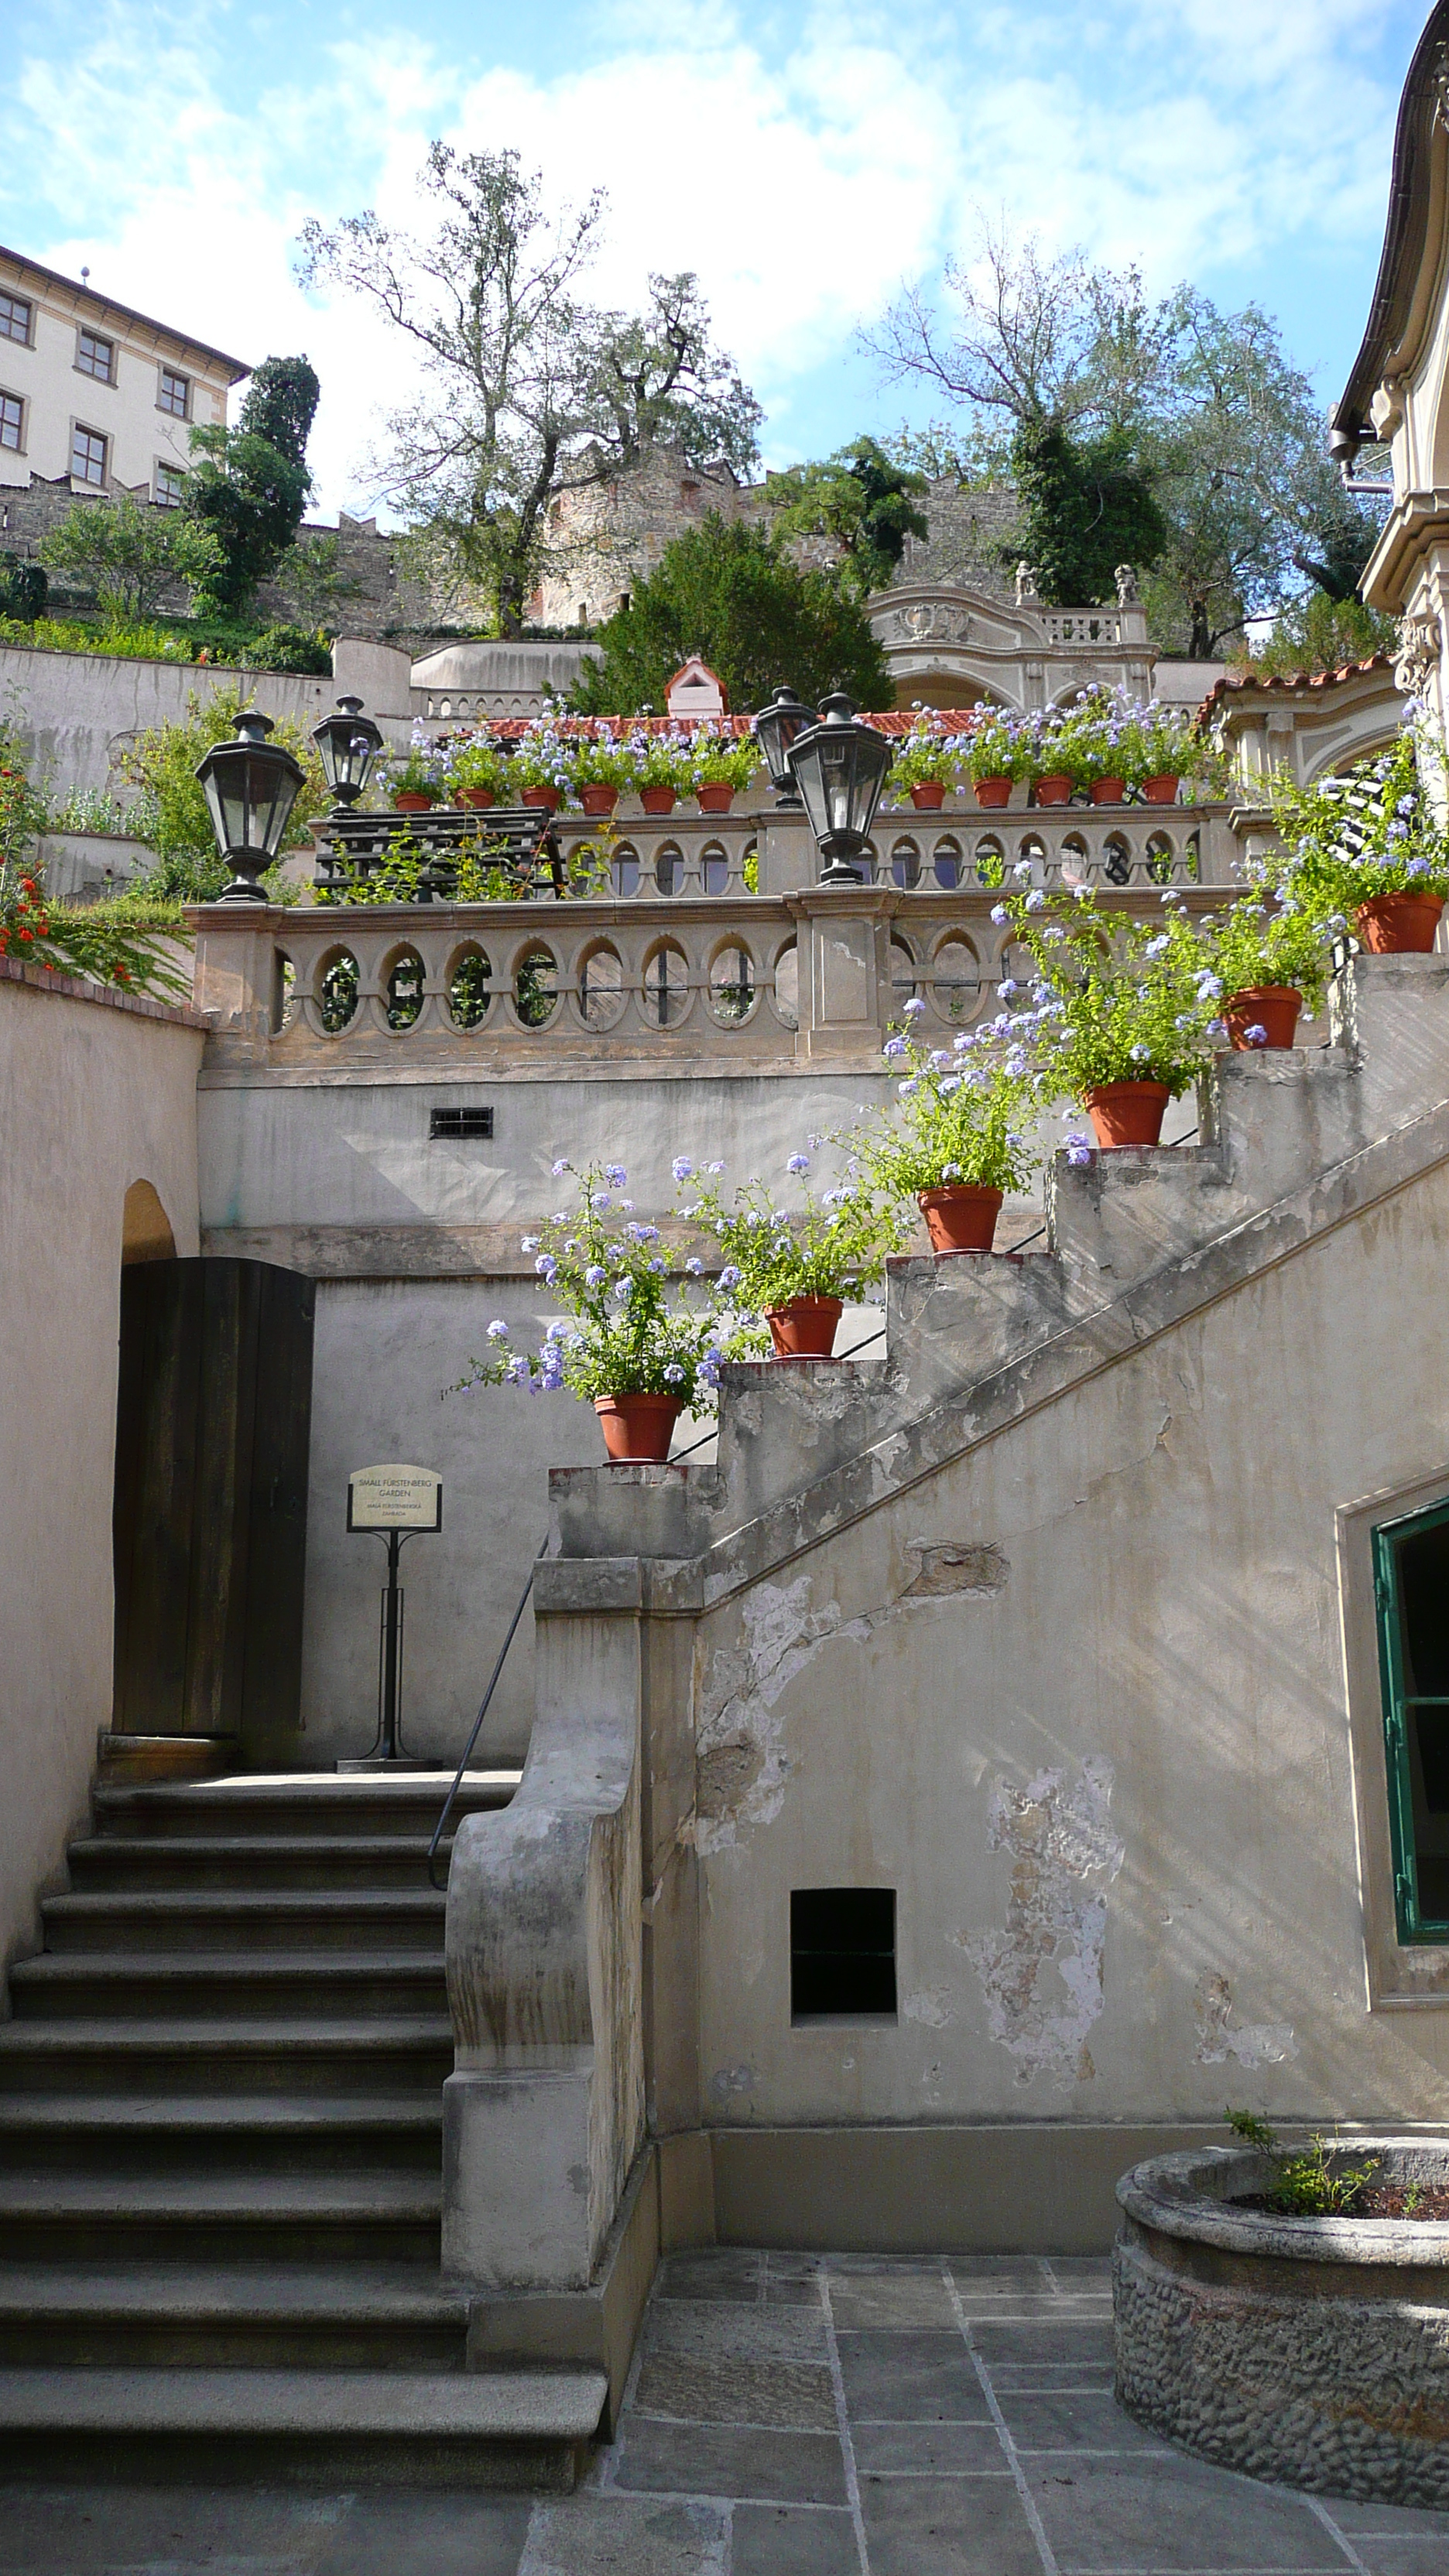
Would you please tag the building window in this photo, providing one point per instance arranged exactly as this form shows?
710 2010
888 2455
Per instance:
1411 1595
842 1953
87 455
175 394
170 486
96 357
12 423
16 316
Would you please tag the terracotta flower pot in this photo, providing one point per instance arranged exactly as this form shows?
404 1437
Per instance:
1127 1113
715 798
1399 925
477 799
804 1328
412 801
1108 791
598 799
993 791
960 1217
1055 790
657 800
638 1428
929 796
1161 790
1274 1008
547 798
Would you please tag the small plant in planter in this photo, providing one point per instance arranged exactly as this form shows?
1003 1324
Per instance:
721 765
1369 848
420 778
1121 1010
791 1273
928 761
479 771
603 769
663 768
1089 742
623 1347
1269 958
1162 746
543 765
952 1139
999 750
1306 2183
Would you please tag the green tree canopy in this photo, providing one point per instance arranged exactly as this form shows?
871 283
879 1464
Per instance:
130 553
249 485
730 593
862 500
1085 507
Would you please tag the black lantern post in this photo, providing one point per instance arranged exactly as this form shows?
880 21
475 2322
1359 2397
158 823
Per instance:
776 728
250 791
348 742
840 768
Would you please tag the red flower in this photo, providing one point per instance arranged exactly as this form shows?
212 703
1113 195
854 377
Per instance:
29 884
26 934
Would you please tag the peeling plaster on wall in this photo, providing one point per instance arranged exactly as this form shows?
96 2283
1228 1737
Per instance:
742 1763
960 1567
729 2082
933 2008
1060 1837
1253 2043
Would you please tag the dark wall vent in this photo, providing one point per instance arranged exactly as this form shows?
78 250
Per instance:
460 1122
842 1952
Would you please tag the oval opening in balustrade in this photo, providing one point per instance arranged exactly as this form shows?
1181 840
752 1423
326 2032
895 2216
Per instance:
624 870
335 989
1117 859
787 985
402 986
956 980
905 863
535 986
1160 858
946 864
714 869
601 987
1032 848
284 984
669 869
731 984
905 975
468 994
989 860
665 995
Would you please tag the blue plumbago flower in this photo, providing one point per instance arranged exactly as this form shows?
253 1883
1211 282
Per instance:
530 1243
1007 986
1257 1035
1157 947
595 1275
1036 901
642 1233
729 1277
659 1265
1139 1053
950 1082
498 1330
547 1267
998 913
1016 1063
894 1047
1209 986
1022 872
673 1373
950 1171
940 1058
682 1168
709 1368
1079 1151
913 1008
1083 894
798 1163
560 1216
714 1167
963 1041
628 1206
1055 933
1415 868
572 1247
814 1143
909 1088
695 1266
560 1167
615 1175
1183 1020
623 1290
520 1371
1216 1029
600 1201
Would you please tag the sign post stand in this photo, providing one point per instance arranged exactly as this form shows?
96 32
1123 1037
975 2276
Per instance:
393 1504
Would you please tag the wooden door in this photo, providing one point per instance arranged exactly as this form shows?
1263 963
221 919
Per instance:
212 1428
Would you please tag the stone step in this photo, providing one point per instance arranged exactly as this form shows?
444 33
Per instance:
519 2428
126 1861
198 1921
411 2052
284 2218
94 1985
241 2133
354 2316
289 1803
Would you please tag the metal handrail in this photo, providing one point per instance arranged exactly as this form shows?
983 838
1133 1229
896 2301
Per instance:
433 1879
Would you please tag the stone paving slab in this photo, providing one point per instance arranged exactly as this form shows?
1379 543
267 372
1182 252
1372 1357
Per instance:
795 2416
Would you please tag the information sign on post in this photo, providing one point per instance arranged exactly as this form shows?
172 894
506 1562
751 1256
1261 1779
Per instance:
393 1503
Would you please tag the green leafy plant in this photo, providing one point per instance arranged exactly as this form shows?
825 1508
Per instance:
957 1117
474 760
598 760
1350 841
422 770
542 757
24 588
1306 2183
930 755
119 638
91 809
837 1245
129 553
718 757
1113 1000
1000 744
1261 941
290 648
662 758
620 1334
162 765
248 485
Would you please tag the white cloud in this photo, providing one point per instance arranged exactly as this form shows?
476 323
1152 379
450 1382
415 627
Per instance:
804 170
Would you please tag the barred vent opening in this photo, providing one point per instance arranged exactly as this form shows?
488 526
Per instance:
842 1952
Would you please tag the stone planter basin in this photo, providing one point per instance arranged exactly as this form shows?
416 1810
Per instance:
1310 2351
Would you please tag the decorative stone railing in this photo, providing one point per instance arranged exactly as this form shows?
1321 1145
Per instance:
738 979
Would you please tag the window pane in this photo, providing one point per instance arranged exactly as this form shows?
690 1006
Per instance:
14 318
169 485
11 416
88 456
1414 1607
174 390
94 356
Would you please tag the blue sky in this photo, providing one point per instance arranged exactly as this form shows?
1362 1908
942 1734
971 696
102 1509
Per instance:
805 162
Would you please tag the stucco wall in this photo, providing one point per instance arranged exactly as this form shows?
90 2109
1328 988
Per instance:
97 1095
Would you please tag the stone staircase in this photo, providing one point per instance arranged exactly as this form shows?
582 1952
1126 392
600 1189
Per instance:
220 2153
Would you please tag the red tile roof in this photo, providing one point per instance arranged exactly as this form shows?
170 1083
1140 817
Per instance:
1289 681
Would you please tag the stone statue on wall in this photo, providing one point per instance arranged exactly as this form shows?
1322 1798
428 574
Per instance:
1128 594
1027 594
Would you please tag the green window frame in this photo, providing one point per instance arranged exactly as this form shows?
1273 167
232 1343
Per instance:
1421 1874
